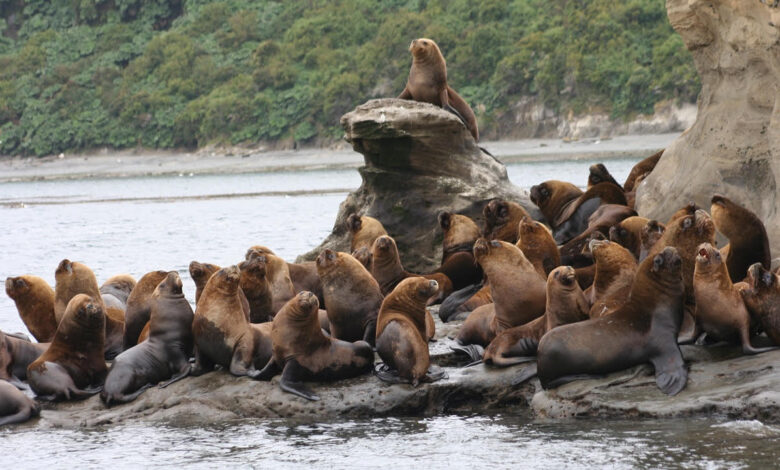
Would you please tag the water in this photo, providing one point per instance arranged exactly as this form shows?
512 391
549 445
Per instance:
103 225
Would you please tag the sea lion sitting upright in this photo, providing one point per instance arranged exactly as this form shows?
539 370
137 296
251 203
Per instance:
502 219
303 353
652 231
302 275
222 332
565 304
352 296
34 299
162 357
73 366
720 310
762 299
457 259
116 290
139 307
15 406
401 339
278 274
537 244
256 288
202 272
748 241
642 330
364 230
552 197
428 83
615 272
641 170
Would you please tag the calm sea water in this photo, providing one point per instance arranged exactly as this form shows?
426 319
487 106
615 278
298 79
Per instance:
100 222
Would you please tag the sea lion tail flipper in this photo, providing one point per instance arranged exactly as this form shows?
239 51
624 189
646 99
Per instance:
473 351
670 373
369 335
502 361
184 372
268 372
121 398
386 374
526 374
81 394
449 308
290 383
20 417
435 373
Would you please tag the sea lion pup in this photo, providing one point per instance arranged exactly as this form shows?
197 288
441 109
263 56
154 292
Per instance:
15 406
552 197
388 271
643 330
162 357
428 83
303 353
628 233
352 296
116 290
222 333
255 287
601 220
363 254
139 305
566 303
720 310
640 171
502 219
536 242
457 259
573 220
401 337
748 241
598 173
649 236
34 299
278 274
73 366
202 272
22 353
364 230
72 278
615 271
762 299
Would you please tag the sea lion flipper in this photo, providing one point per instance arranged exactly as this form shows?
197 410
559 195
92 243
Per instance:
84 393
387 374
405 95
290 381
369 335
670 373
526 374
461 109
184 372
435 373
475 352
269 371
202 364
449 308
20 417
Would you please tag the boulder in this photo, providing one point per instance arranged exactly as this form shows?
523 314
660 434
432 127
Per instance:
733 148
419 160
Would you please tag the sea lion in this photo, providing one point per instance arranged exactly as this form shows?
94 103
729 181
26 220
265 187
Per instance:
254 284
73 366
615 271
363 254
34 299
502 219
641 170
7 363
72 278
302 275
601 220
628 233
537 244
465 300
22 352
278 274
116 290
202 272
139 305
573 220
364 230
598 173
643 330
222 333
428 83
552 197
566 303
457 259
401 336
303 353
162 357
352 296
649 236
762 299
748 241
720 310
15 406
388 271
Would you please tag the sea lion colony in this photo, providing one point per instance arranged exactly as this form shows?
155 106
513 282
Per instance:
591 289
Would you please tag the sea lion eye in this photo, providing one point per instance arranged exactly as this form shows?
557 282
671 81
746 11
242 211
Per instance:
495 243
658 261
767 278
544 192
687 222
331 256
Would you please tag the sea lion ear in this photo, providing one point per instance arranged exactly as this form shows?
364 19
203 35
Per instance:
445 219
687 222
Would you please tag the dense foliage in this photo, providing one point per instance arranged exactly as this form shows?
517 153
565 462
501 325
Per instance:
155 73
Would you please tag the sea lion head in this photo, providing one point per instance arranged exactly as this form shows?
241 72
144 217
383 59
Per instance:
688 209
258 249
763 291
619 234
384 245
540 194
759 278
86 310
424 48
651 232
705 227
566 276
65 268
668 264
303 307
255 264
354 223
596 235
201 272
529 227
171 285
445 218
599 174
227 279
327 260
424 288
707 257
482 247
496 213
731 218
16 287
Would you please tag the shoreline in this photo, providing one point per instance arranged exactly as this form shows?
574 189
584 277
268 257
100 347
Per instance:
145 163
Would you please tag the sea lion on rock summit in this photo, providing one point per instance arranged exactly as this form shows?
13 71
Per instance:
34 299
303 353
364 230
73 366
303 276
15 406
139 305
502 219
762 299
428 83
748 241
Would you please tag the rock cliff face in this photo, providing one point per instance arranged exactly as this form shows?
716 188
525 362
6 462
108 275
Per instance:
420 160
733 148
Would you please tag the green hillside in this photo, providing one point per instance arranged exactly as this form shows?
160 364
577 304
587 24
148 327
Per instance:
79 74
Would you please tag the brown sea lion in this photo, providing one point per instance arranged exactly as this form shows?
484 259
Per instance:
22 352
552 197
278 274
643 330
748 241
72 278
363 254
502 219
139 305
222 333
401 333
15 406
388 271
34 299
302 275
164 356
615 271
202 272
762 299
537 244
602 219
428 83
116 290
364 230
628 233
303 353
255 286
573 220
641 170
565 304
720 311
352 296
598 173
649 236
73 366
457 260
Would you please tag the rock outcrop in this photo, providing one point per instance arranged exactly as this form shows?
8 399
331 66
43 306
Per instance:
419 160
733 148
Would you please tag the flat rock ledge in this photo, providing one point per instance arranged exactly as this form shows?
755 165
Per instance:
721 383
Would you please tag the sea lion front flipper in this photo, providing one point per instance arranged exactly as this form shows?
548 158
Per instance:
369 335
290 383
269 371
406 94
386 374
525 375
475 352
202 364
670 372
184 372
449 308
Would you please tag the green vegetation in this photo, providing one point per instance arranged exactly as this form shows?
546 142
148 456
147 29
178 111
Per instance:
77 74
